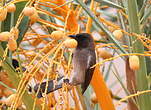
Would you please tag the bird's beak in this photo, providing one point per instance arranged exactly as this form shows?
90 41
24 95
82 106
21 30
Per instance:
72 36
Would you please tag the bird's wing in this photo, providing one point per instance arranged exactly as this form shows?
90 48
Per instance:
79 66
91 60
82 61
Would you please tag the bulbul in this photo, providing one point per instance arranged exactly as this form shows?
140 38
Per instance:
84 58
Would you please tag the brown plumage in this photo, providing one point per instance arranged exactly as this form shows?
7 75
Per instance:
84 58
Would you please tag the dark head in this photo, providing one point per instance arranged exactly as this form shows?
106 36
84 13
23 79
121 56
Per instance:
84 40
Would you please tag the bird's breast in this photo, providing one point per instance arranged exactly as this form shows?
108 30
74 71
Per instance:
81 60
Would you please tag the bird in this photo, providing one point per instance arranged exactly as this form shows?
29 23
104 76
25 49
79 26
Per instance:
84 57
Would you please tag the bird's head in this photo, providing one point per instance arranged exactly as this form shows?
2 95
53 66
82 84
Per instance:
84 40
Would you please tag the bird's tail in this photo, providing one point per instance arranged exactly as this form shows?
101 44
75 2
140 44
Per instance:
48 86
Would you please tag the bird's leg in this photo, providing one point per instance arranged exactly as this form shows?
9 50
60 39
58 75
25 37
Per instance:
68 84
66 80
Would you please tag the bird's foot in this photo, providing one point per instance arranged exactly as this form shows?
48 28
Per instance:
67 84
66 80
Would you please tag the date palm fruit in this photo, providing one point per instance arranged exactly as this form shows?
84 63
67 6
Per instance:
34 17
4 36
11 8
57 35
29 11
12 44
118 34
134 62
70 43
3 13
